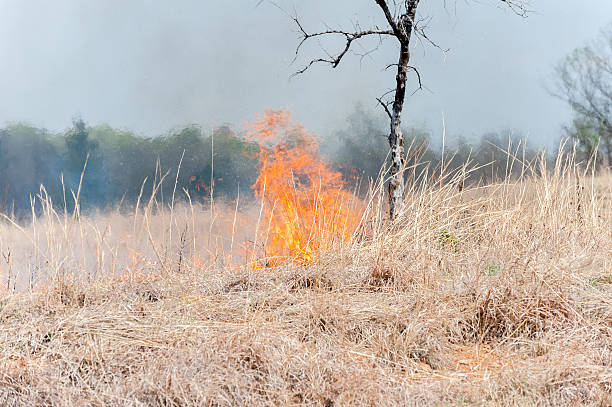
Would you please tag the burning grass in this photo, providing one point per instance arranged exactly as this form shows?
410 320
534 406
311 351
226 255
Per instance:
305 203
482 295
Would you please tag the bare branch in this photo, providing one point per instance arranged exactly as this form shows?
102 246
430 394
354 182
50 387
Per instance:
418 74
386 107
392 23
419 28
334 60
388 92
517 6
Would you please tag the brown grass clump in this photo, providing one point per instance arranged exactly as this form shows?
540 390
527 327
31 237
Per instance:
495 295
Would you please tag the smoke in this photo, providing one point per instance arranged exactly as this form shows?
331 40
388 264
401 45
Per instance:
152 66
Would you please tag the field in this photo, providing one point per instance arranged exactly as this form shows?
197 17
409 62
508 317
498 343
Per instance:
492 295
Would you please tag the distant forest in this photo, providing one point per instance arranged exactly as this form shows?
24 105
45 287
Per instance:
119 161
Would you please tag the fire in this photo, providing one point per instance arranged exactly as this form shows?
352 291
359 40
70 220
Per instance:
305 204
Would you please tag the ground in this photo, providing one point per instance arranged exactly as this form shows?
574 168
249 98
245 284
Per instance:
496 296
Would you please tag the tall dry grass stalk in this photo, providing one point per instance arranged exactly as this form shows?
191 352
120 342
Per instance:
496 294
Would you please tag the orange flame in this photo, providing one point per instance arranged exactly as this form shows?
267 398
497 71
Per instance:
304 200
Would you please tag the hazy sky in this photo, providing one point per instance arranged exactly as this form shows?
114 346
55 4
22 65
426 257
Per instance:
152 65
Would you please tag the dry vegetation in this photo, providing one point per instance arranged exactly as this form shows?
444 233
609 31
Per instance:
497 295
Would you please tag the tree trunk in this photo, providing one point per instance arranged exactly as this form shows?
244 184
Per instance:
396 138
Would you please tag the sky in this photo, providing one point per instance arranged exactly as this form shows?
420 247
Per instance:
151 66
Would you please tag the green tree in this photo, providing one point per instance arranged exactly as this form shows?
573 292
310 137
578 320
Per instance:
80 150
78 145
28 159
587 134
584 81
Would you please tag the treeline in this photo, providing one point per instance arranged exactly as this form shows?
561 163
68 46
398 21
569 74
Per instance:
120 165
361 149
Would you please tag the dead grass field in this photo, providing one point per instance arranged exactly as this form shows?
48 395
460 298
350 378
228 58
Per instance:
496 296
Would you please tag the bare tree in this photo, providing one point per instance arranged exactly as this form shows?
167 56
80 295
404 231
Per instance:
401 23
584 81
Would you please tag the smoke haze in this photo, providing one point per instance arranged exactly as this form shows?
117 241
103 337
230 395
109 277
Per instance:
151 66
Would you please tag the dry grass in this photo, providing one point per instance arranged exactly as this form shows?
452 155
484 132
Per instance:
497 296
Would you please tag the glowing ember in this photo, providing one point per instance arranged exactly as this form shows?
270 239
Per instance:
304 201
